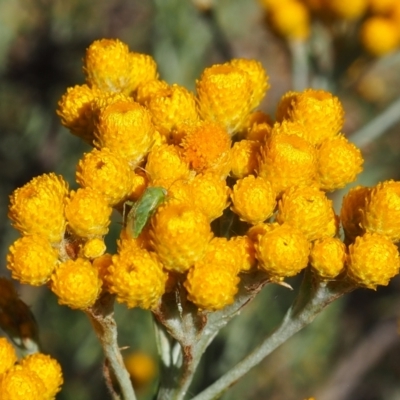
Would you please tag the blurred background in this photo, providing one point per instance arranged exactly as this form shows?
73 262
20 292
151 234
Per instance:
351 351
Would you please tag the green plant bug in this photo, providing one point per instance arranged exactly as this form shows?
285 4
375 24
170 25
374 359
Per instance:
144 208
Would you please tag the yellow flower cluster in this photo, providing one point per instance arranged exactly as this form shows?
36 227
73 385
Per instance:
379 32
209 188
36 376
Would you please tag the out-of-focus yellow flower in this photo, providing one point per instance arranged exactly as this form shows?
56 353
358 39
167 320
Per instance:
225 96
253 199
327 257
351 213
347 9
258 77
172 106
75 111
101 264
141 367
8 356
287 160
49 371
136 277
290 18
244 158
382 210
308 209
94 248
88 213
32 260
206 147
247 253
38 207
180 235
20 383
319 111
259 132
282 252
372 260
379 35
148 89
125 127
76 283
339 163
382 6
166 165
107 173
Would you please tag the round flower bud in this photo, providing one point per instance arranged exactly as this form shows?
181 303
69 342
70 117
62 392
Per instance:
211 287
259 229
143 69
88 213
296 128
290 18
225 96
8 356
247 253
319 111
339 163
206 147
38 207
141 367
327 257
74 109
136 277
32 260
107 173
49 371
282 252
258 78
244 158
124 127
372 260
348 9
382 210
76 284
94 248
20 383
253 199
180 235
379 35
148 89
287 160
165 164
309 210
101 264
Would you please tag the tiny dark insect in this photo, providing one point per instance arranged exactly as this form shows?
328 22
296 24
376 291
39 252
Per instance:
144 208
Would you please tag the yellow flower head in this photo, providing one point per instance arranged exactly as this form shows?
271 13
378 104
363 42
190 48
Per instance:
247 253
93 248
136 277
38 207
88 213
148 89
225 96
107 173
102 264
253 199
209 193
49 371
206 147
372 260
347 9
258 77
287 160
211 287
140 182
259 132
296 128
20 383
143 69
290 18
180 234
165 164
75 111
260 229
141 367
308 209
282 252
382 210
244 158
380 35
8 356
327 257
352 210
172 106
319 111
339 163
124 127
32 260
76 283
